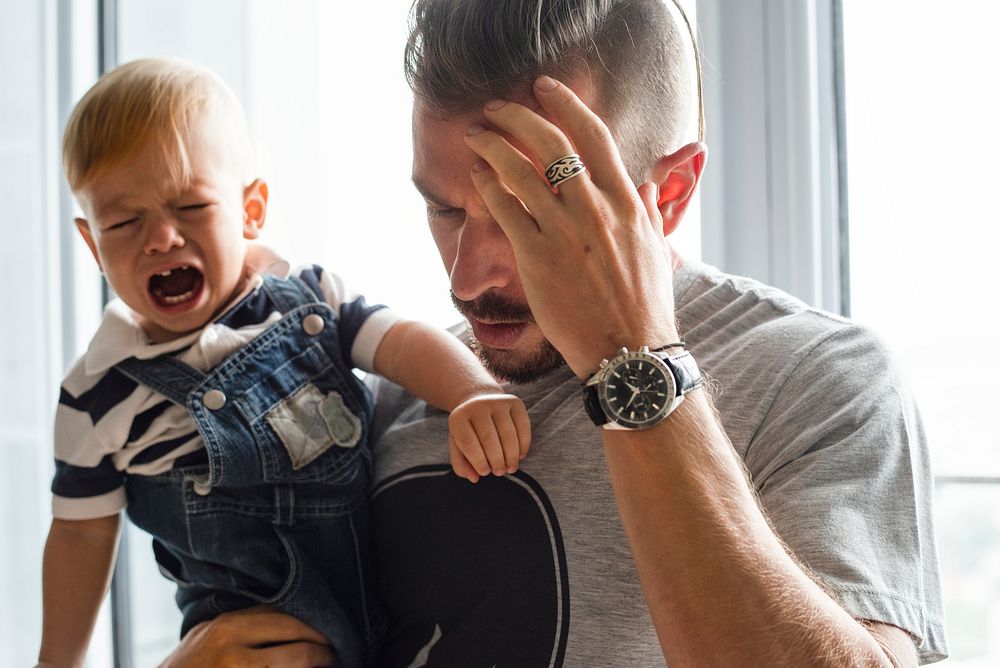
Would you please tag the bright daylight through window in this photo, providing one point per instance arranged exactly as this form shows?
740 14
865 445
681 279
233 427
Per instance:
922 109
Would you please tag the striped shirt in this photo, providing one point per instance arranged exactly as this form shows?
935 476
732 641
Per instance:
107 425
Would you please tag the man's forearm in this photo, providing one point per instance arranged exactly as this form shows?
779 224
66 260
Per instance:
721 588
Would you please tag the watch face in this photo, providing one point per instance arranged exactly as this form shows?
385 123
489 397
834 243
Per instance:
637 391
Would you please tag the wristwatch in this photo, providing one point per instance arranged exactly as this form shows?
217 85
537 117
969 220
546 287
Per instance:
638 389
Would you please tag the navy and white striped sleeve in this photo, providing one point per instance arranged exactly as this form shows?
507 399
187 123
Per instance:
361 326
87 484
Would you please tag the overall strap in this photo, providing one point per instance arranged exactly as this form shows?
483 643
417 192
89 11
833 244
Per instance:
164 374
290 293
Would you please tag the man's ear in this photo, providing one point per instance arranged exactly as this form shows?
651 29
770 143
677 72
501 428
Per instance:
676 177
83 227
254 208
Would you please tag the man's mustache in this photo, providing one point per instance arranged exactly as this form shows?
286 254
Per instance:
491 307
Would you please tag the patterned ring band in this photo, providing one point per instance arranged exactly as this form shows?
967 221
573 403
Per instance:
564 169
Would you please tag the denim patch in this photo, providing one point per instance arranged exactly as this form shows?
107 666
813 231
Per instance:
309 422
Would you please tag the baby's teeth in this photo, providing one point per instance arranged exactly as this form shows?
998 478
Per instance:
177 299
166 273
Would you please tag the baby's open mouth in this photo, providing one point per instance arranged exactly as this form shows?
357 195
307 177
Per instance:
175 286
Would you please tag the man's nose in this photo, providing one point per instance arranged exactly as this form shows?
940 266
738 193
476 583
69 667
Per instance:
162 233
484 260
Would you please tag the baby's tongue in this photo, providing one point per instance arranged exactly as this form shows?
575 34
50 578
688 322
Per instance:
176 282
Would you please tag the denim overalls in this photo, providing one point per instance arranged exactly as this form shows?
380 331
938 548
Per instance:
280 513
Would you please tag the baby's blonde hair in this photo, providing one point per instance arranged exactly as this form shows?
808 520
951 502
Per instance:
157 100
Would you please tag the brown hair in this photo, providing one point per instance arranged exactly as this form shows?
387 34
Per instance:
153 99
643 59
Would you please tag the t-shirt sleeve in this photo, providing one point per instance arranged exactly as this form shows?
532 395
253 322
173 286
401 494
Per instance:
86 484
841 465
361 325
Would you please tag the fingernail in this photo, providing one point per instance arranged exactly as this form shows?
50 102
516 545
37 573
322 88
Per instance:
545 83
480 165
499 472
493 105
511 469
475 129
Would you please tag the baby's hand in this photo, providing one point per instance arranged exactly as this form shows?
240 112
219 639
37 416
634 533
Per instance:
489 433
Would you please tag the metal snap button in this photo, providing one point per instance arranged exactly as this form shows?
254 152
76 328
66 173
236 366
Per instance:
313 324
202 488
214 400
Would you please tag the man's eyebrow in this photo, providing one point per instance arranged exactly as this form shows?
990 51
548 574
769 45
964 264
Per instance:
426 192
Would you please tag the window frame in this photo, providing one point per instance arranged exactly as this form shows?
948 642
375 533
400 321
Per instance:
774 205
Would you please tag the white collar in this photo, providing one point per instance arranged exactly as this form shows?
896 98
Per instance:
120 337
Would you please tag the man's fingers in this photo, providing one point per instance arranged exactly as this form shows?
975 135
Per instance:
519 226
544 141
258 636
295 655
588 132
517 171
265 626
647 193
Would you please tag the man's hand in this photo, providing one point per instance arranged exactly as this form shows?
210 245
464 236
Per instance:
488 433
253 637
591 255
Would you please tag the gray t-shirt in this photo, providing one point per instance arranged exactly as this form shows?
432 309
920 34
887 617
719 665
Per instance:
533 569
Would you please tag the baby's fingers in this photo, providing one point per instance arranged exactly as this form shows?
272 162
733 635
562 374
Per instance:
509 441
459 464
489 442
462 437
523 426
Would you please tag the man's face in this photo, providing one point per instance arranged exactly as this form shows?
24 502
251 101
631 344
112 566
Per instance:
480 261
174 252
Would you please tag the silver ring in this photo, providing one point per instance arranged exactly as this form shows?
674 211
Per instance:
564 169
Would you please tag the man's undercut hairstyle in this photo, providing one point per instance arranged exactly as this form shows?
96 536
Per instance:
640 54
160 100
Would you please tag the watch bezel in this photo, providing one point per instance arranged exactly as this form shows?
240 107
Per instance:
644 357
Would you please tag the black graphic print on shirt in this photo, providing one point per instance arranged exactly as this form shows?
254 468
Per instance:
471 575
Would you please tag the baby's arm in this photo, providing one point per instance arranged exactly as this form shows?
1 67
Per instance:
489 431
76 571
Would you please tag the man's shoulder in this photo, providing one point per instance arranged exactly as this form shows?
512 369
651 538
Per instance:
757 344
709 294
727 315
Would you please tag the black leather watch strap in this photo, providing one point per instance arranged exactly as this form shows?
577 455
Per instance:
685 371
592 404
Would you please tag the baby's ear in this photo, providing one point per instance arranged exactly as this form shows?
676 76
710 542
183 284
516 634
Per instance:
254 208
83 227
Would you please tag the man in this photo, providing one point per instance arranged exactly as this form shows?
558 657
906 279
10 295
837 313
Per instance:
778 515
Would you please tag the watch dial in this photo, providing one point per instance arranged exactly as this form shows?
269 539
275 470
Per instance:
638 391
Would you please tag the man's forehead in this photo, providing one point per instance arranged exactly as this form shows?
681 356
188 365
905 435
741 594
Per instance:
439 138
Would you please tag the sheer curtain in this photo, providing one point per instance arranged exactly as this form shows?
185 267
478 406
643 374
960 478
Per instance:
42 289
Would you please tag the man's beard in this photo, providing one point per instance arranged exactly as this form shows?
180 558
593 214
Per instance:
508 366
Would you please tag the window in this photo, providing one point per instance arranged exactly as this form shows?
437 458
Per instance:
38 268
852 164
922 104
